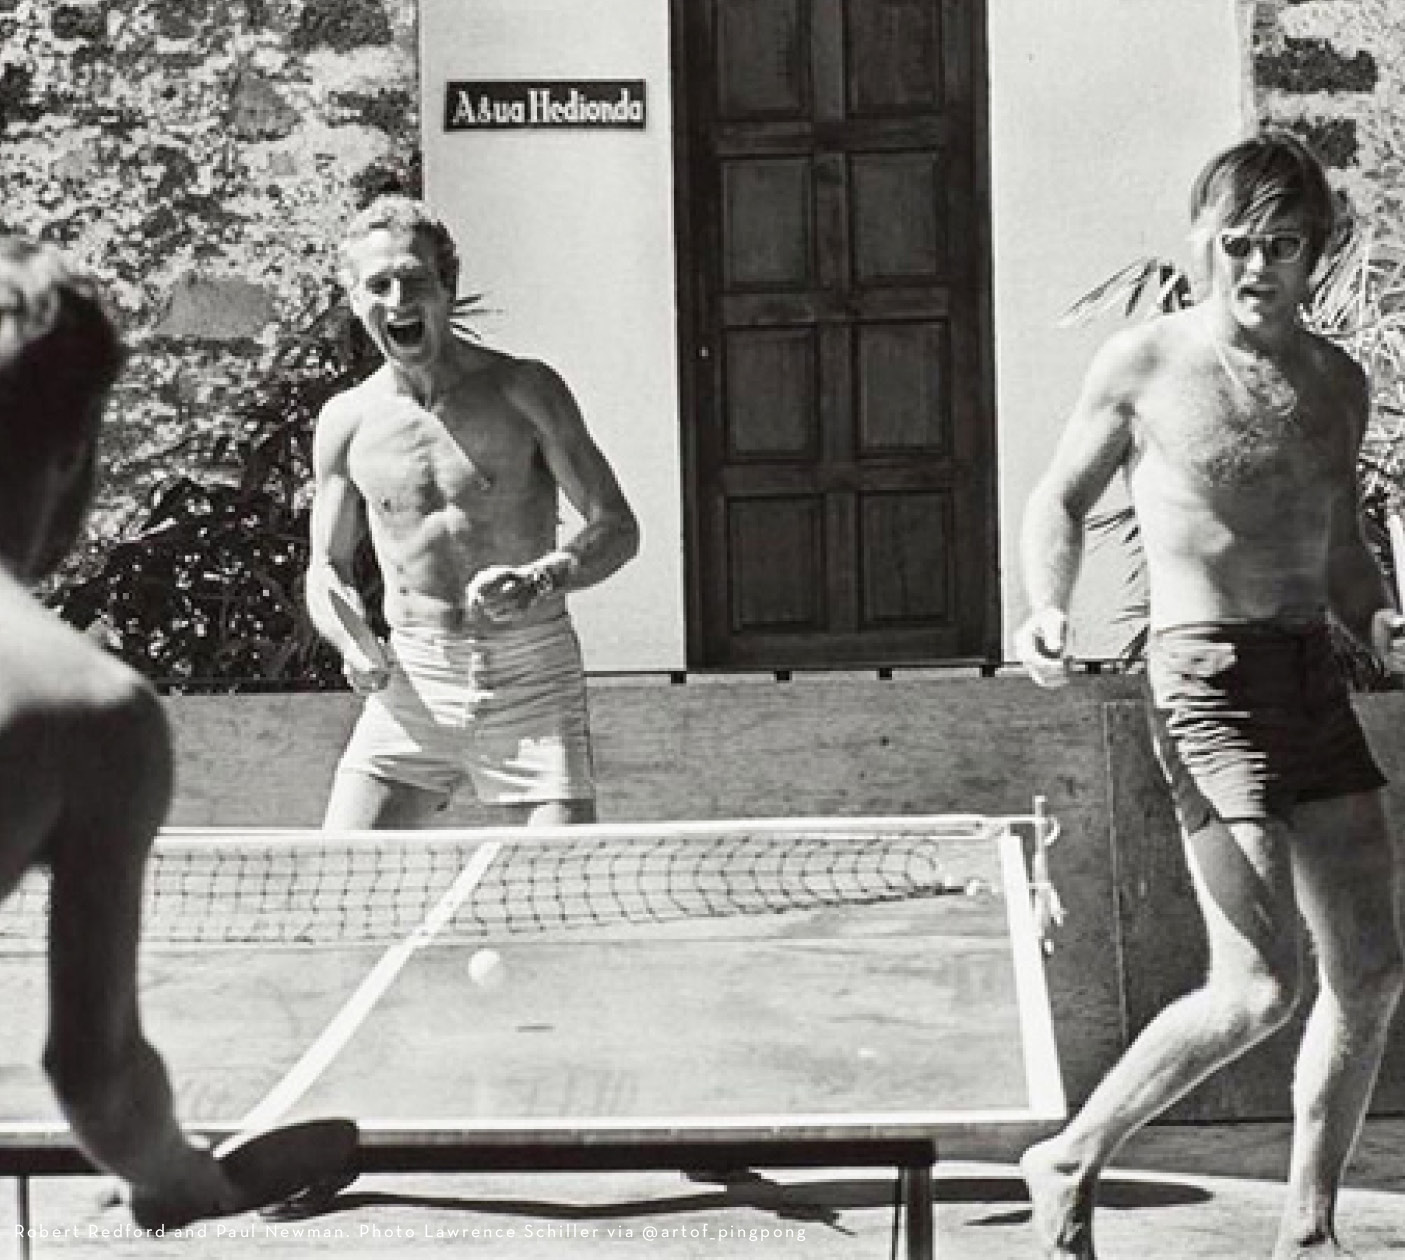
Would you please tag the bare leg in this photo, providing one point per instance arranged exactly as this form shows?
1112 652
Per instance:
1243 880
1346 874
361 802
550 813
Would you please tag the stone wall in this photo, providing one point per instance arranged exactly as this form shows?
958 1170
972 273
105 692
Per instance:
200 158
1334 70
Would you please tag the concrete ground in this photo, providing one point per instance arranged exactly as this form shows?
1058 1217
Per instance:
1207 1192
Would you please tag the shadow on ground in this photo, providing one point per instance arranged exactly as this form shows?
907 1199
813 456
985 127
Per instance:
818 1202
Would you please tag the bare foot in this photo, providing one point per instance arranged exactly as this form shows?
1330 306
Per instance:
1062 1204
1325 1249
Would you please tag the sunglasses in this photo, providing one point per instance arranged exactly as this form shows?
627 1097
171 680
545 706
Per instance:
1278 247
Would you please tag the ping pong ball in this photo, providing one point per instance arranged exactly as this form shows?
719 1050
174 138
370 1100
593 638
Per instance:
485 969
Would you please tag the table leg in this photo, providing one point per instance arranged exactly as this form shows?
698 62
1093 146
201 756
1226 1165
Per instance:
917 1204
22 1215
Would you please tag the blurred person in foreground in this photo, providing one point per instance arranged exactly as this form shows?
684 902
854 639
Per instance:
85 755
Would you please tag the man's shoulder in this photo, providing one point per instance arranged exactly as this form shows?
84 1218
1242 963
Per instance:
49 669
1131 356
525 373
535 388
1151 340
343 414
356 401
84 744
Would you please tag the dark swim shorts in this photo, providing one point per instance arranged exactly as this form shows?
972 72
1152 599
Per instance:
1250 718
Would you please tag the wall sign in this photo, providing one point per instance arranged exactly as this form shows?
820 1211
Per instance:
511 104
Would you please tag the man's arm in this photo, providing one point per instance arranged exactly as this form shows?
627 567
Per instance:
338 525
110 1082
609 535
1356 587
1094 444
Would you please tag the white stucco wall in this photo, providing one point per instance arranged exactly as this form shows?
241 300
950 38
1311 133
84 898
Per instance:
1101 113
569 234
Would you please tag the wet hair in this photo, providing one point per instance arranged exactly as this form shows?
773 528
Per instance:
1273 172
397 212
59 354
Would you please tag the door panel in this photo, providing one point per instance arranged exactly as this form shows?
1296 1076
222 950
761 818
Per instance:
772 591
899 223
903 403
840 480
771 406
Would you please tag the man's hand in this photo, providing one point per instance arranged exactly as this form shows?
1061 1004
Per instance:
1042 647
366 665
1388 639
364 672
193 1188
500 593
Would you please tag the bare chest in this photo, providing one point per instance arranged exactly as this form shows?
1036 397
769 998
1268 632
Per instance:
1252 436
412 462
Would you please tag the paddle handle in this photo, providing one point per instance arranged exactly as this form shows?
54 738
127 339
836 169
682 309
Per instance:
1048 906
358 629
1395 528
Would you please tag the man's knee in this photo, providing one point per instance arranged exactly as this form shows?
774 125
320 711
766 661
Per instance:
1258 1000
1375 986
363 801
1270 1002
572 812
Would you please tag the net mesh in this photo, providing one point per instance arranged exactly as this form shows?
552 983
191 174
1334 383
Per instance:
312 888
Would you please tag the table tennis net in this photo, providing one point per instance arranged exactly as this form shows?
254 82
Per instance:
308 887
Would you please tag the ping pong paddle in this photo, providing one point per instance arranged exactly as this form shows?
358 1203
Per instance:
1387 627
1395 529
355 626
269 1167
1048 906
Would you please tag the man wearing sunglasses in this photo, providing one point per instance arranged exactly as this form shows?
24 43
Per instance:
1237 432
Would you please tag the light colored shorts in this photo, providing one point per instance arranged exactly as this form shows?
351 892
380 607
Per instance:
507 712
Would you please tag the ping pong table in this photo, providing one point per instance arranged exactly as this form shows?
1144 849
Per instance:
777 993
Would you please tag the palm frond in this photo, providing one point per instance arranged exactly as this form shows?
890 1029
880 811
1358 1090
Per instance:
1111 292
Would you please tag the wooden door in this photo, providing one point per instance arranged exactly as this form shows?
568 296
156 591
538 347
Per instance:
835 273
